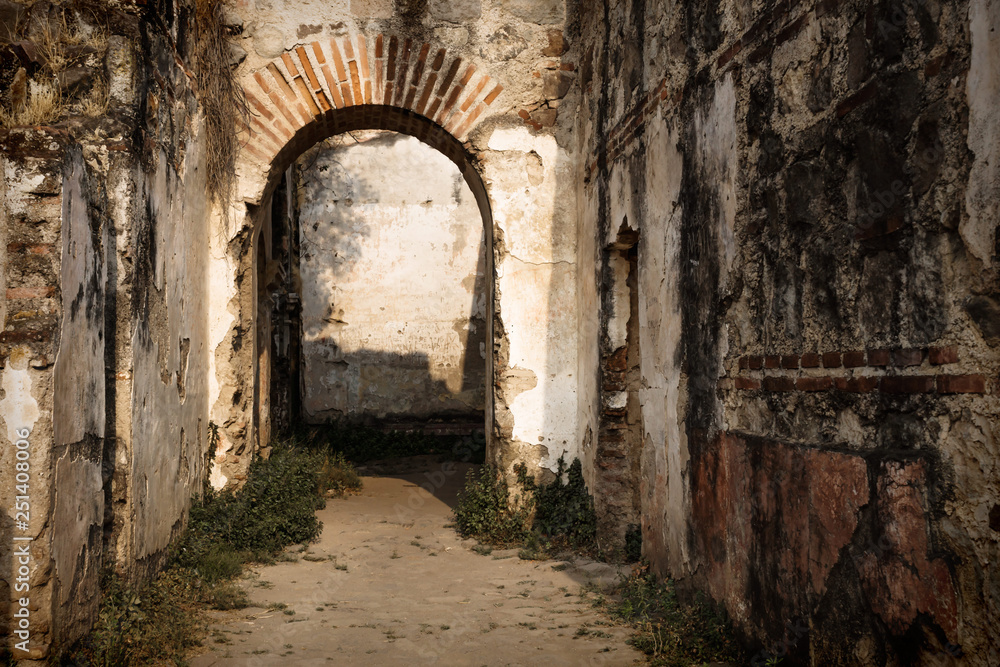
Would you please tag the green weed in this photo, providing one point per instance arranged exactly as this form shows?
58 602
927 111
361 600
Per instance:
337 475
633 543
146 625
565 510
542 518
671 633
486 511
221 562
274 508
157 622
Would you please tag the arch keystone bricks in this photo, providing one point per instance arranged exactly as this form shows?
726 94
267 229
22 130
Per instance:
295 97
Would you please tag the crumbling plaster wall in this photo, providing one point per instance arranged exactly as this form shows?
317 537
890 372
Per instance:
169 346
78 410
519 145
158 203
32 210
635 193
393 282
817 271
104 344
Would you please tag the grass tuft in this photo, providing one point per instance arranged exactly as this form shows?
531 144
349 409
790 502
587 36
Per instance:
338 476
43 106
39 99
97 101
670 633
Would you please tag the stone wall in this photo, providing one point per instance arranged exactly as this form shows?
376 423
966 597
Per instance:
488 84
808 186
104 350
393 275
42 185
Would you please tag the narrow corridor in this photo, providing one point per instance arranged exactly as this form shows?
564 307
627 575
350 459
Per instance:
390 583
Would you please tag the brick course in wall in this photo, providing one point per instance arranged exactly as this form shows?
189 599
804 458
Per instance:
880 370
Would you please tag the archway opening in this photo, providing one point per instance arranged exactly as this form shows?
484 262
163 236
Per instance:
373 280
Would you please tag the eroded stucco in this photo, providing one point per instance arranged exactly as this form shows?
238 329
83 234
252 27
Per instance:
983 88
818 317
393 275
79 415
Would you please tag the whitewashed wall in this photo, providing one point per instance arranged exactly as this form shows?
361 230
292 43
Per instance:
393 281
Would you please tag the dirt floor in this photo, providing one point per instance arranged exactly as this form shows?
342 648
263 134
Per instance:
387 583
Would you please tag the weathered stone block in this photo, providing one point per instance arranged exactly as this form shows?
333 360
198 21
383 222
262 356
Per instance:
985 312
503 44
555 84
455 11
544 117
557 44
269 42
536 11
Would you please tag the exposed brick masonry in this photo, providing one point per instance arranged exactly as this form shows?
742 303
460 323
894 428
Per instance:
297 93
882 372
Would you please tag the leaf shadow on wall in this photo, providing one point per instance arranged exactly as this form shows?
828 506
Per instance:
344 228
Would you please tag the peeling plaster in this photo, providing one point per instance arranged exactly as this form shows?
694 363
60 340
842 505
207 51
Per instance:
79 365
393 281
18 407
983 90
663 487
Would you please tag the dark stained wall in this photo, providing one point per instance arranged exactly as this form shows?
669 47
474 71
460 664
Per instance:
817 280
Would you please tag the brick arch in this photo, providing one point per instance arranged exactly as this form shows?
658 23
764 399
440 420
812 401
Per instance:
332 86
378 117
